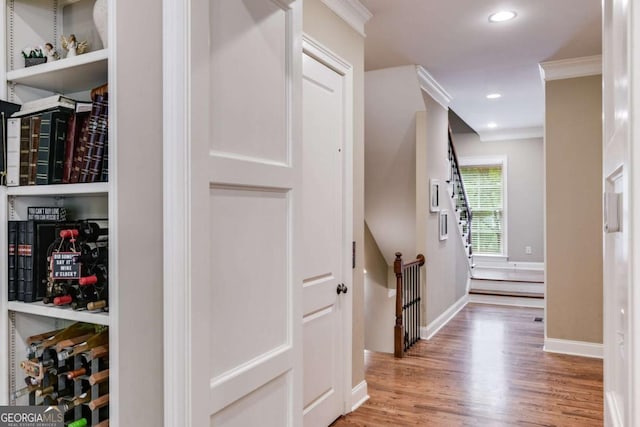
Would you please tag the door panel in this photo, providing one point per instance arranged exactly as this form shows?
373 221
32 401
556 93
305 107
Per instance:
323 230
245 178
618 341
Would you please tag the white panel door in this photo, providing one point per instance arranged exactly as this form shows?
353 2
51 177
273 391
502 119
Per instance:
245 197
323 248
620 372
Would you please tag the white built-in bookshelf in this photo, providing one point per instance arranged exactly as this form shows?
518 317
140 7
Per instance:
131 200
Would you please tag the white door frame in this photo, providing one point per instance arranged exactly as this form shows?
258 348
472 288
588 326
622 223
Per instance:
320 53
176 68
631 87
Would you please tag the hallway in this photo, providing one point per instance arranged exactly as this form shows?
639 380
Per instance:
485 368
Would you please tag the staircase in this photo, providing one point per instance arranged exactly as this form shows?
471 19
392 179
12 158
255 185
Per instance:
463 214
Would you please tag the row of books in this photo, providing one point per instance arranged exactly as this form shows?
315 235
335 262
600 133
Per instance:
55 140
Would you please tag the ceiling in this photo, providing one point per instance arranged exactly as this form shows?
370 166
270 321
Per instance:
471 57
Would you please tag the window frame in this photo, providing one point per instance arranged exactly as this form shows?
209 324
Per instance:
494 161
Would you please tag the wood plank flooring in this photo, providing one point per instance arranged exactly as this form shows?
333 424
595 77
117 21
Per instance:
485 368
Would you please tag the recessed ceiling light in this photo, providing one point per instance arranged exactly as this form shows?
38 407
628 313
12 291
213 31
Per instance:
494 96
503 15
492 125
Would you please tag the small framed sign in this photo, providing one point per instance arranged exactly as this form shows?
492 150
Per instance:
434 195
64 266
444 224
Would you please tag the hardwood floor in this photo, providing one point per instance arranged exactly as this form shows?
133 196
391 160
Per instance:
485 368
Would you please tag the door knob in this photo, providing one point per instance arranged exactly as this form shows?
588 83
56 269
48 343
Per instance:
341 289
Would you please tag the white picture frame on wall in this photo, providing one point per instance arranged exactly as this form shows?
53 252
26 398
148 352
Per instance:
434 195
443 224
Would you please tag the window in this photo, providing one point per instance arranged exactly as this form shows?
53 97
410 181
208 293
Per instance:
485 186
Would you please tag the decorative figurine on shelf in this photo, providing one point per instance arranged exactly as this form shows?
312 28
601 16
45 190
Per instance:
50 52
72 46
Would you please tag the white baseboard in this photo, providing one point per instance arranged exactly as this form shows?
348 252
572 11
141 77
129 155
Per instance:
574 348
433 327
359 395
611 411
505 265
506 286
504 300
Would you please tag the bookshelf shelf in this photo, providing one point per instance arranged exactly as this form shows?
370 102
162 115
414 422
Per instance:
40 309
66 75
61 190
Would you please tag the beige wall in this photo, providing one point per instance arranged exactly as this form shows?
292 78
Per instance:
573 161
393 96
525 190
446 263
320 23
379 306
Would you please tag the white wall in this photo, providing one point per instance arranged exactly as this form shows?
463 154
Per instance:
525 190
392 97
379 306
446 263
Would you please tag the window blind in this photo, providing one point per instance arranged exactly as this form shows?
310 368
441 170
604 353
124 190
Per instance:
483 185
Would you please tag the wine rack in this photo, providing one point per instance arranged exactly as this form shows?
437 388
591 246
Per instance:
70 372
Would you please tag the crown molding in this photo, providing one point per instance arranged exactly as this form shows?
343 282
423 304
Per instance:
571 68
512 134
432 87
352 12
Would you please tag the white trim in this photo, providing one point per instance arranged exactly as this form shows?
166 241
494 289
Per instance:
611 411
507 286
177 255
352 12
571 68
483 261
508 301
511 134
440 321
319 52
574 348
432 87
359 395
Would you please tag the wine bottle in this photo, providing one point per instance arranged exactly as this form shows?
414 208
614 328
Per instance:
82 422
25 390
96 340
72 331
66 405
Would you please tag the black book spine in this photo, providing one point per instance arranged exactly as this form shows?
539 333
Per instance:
44 149
13 260
22 249
29 285
59 141
53 132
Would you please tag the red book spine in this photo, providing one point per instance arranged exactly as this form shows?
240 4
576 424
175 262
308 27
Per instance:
69 148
